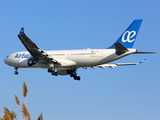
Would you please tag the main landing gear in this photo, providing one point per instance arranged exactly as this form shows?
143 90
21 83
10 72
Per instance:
74 74
16 71
75 77
52 71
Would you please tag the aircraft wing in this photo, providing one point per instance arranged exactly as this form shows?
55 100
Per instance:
35 51
112 65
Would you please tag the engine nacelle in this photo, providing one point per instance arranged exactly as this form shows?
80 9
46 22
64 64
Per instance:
32 61
27 62
64 72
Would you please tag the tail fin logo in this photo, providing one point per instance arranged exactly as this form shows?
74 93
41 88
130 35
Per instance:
128 36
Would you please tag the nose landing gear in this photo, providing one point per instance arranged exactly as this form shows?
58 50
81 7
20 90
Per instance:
16 71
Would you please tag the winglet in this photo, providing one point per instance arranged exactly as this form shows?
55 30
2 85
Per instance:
21 31
142 61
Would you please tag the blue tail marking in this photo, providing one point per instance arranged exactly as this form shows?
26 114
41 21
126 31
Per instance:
128 37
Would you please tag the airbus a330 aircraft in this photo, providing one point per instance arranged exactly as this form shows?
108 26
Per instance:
66 62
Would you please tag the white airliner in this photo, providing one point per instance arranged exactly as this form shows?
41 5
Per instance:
66 62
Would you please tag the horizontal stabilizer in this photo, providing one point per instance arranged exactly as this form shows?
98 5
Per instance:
144 53
112 65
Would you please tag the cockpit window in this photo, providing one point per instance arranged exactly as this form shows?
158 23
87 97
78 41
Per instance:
7 56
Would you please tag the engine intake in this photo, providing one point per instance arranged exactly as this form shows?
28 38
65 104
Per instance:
32 61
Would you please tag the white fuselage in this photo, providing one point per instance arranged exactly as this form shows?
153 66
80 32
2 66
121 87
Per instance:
68 59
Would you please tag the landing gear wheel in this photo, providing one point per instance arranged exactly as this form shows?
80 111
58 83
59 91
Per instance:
74 74
50 70
16 72
54 73
77 78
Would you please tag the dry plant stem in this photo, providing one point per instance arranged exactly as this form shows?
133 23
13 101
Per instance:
7 115
25 91
17 100
18 103
26 114
40 117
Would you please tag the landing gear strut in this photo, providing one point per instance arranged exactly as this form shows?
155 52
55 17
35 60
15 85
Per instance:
16 71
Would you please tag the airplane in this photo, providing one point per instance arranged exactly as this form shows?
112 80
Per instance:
66 62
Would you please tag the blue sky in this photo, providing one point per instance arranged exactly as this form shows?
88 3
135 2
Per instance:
123 93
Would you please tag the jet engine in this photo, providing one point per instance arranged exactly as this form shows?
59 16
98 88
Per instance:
32 61
27 62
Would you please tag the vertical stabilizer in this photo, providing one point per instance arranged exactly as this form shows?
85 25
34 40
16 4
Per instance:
128 37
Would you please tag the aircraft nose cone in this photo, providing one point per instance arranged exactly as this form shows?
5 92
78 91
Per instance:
9 60
6 61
